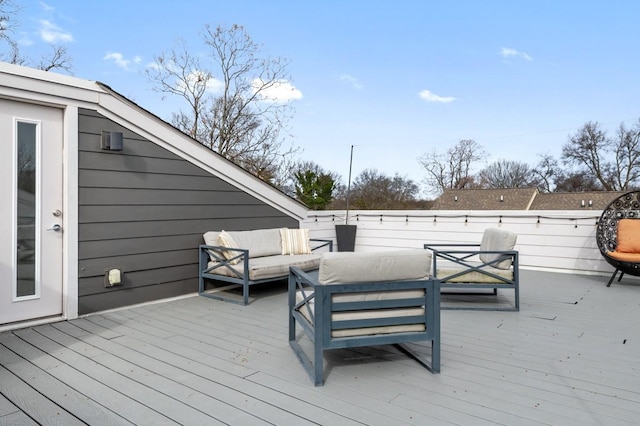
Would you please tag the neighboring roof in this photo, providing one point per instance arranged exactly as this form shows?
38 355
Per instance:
595 200
485 199
29 84
522 199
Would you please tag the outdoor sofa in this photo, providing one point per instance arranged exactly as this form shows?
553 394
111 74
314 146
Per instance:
364 299
246 258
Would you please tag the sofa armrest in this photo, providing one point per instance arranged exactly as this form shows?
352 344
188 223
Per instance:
210 252
325 243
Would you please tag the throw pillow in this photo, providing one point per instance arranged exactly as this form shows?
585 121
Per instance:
629 236
225 240
295 241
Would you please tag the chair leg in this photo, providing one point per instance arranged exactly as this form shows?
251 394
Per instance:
620 277
612 277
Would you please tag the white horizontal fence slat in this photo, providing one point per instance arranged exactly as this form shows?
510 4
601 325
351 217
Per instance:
559 241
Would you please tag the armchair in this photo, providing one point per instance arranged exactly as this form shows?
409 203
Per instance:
364 299
492 264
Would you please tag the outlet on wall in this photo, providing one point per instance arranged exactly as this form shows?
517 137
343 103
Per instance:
112 277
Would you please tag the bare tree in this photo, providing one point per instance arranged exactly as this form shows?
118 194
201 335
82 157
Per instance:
234 99
626 167
8 10
506 174
57 59
546 173
614 162
453 169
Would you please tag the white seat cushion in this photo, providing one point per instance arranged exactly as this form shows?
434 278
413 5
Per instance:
270 266
446 269
367 314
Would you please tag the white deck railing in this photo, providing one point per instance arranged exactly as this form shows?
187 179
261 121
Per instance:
559 241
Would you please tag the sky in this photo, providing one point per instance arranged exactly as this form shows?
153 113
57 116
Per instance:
395 79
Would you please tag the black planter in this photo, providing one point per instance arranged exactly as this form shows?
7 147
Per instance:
346 237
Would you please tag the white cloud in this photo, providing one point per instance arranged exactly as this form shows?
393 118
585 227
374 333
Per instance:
46 7
279 91
118 59
352 81
51 33
432 97
507 52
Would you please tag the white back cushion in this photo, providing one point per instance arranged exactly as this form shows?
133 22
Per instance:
495 239
259 242
354 267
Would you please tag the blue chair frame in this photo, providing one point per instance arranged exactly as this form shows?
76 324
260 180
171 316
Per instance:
320 330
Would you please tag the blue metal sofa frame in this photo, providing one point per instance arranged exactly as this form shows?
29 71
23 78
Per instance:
208 273
320 331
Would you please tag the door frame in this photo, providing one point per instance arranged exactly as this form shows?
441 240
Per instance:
70 207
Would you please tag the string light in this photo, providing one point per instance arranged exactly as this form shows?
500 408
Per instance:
466 217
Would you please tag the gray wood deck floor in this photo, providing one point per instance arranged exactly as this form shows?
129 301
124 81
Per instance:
570 356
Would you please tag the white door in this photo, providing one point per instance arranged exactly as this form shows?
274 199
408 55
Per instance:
30 211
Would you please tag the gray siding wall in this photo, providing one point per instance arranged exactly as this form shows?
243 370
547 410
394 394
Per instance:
144 210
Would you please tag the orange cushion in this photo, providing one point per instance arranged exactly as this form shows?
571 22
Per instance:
625 257
628 236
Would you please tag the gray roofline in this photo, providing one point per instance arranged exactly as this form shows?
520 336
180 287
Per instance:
43 87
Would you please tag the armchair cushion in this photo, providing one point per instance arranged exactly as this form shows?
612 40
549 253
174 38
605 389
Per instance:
368 314
447 269
358 267
495 239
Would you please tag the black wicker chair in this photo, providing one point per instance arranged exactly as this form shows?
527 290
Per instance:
626 206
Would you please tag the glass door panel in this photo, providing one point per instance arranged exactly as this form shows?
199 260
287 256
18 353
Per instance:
27 194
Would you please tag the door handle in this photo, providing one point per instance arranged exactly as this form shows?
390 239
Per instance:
55 228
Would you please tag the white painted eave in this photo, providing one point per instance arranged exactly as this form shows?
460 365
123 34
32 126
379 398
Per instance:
31 85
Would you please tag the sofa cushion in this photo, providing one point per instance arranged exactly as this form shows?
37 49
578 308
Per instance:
270 266
354 267
495 239
259 242
211 239
226 240
295 241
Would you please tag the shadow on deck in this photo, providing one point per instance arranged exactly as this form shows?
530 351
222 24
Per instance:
570 356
